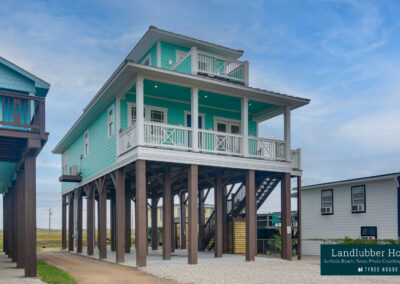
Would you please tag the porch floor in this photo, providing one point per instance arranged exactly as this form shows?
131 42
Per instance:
9 273
179 257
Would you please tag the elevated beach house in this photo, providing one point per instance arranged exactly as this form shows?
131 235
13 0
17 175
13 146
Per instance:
177 118
22 137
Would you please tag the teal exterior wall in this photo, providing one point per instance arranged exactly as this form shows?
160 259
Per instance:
185 66
153 55
168 51
102 150
11 80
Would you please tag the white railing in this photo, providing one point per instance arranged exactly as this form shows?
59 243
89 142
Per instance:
165 135
267 148
220 142
296 158
127 140
221 67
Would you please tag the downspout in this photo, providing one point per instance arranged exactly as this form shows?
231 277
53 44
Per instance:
398 206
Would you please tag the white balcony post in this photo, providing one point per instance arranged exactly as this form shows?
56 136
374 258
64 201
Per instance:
194 63
246 72
245 125
195 119
158 54
286 116
139 111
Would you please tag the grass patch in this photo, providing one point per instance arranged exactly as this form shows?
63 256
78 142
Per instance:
53 275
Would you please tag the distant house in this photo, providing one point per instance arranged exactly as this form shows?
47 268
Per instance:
367 207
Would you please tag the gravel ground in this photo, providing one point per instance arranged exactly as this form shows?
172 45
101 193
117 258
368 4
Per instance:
305 271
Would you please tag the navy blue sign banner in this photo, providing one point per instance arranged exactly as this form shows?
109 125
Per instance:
360 259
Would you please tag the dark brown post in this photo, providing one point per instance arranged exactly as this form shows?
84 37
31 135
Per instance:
202 240
173 242
30 215
20 218
119 184
90 219
14 255
299 239
102 215
218 196
71 221
79 221
251 216
112 219
5 223
225 220
64 222
154 227
193 194
128 208
140 216
286 231
182 206
167 215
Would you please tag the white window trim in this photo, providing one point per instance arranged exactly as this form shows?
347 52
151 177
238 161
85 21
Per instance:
229 122
84 143
203 117
64 163
180 52
148 57
147 110
111 108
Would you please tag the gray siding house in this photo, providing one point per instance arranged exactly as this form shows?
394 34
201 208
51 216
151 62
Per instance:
358 208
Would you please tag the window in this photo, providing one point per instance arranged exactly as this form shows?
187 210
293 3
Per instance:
358 199
111 121
369 233
327 202
86 145
64 160
157 116
147 60
180 55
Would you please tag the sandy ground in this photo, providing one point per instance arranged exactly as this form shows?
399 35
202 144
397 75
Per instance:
305 271
88 270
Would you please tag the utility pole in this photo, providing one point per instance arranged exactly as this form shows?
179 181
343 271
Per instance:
50 213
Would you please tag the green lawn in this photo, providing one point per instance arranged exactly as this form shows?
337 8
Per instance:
53 275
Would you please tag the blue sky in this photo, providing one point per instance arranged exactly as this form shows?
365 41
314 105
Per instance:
343 55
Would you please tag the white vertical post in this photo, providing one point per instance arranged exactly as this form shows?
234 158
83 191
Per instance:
158 54
245 126
195 119
194 63
118 122
286 117
246 72
139 111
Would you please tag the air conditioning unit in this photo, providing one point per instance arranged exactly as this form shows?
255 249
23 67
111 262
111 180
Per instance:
326 210
357 208
73 170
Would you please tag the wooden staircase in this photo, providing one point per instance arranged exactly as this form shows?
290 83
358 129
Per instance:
237 203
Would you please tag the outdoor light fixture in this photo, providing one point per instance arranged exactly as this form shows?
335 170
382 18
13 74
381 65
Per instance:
170 61
206 96
249 104
156 86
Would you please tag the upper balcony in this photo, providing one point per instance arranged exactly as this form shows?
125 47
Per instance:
202 63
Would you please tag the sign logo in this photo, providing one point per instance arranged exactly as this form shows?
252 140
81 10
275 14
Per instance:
360 259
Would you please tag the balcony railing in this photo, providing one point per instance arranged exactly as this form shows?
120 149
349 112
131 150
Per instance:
213 142
222 68
22 112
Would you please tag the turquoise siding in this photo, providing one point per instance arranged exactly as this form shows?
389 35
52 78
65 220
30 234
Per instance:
153 55
176 113
12 80
102 150
185 66
168 51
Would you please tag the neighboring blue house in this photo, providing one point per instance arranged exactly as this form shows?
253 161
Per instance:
177 117
22 136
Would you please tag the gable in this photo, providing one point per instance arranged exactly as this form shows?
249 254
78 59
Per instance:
14 81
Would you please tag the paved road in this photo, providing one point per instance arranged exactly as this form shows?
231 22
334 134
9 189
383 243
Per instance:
88 270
